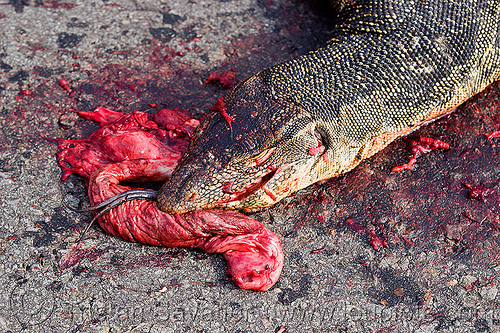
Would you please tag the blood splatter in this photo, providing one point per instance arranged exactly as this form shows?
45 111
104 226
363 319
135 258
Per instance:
220 106
422 146
64 84
226 79
375 241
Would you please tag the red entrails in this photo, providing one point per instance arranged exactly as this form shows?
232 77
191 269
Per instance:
220 106
143 147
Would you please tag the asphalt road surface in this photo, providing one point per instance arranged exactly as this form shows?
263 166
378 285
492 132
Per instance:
438 272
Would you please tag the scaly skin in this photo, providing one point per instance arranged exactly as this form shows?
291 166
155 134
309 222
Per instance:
391 66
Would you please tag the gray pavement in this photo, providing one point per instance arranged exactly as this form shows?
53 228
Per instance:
439 272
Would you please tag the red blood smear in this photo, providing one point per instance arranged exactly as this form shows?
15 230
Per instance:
422 146
220 106
74 257
313 151
213 77
226 188
143 147
64 83
491 135
355 226
375 241
226 79
24 92
483 193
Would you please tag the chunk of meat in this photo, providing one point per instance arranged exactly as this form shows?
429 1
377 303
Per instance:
164 135
142 147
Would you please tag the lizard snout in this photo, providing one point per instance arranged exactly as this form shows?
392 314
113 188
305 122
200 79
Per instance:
182 193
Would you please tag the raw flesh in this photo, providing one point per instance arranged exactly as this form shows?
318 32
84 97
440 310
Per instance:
146 148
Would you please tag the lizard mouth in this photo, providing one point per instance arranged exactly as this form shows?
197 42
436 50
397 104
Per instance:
248 190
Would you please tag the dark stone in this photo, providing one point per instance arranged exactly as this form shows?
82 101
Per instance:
162 34
171 18
19 5
66 40
20 76
288 295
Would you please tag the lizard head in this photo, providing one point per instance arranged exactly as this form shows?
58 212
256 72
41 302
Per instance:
249 152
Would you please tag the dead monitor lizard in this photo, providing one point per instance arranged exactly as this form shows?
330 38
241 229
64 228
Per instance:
391 66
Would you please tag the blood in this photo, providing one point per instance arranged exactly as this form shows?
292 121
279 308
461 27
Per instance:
422 146
326 157
77 255
142 147
226 188
220 106
375 241
313 151
491 135
64 83
226 79
25 92
483 193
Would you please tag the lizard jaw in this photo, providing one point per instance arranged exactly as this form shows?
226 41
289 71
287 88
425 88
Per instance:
236 197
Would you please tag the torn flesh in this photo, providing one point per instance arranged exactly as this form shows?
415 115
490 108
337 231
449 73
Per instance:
142 147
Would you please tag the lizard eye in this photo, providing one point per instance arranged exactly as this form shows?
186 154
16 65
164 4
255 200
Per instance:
261 158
